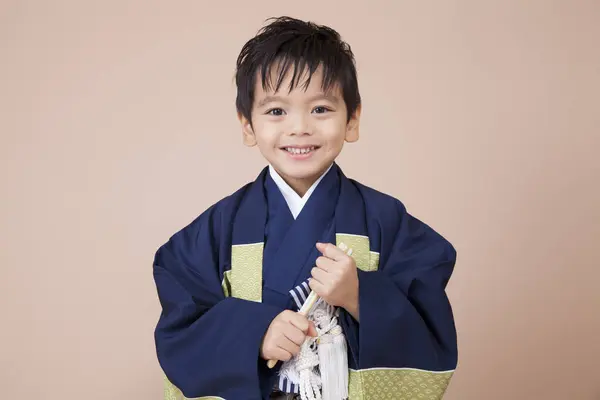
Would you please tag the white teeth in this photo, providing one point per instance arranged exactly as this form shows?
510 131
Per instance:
294 150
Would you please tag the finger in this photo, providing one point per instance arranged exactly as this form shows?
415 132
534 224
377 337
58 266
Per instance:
325 263
321 273
312 330
317 287
300 322
286 316
295 335
288 345
281 354
324 278
331 251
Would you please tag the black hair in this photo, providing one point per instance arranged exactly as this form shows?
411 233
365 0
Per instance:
288 42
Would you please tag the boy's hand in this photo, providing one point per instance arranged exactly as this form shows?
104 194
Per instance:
335 278
285 335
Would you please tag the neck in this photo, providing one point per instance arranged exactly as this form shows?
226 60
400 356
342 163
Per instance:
302 185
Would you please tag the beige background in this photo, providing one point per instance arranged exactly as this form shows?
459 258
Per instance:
118 127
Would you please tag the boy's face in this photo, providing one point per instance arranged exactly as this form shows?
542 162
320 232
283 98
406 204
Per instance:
301 132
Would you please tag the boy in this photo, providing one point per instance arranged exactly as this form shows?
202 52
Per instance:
231 283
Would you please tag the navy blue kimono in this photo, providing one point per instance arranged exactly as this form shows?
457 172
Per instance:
223 278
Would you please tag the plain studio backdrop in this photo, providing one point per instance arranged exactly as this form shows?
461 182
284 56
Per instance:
118 127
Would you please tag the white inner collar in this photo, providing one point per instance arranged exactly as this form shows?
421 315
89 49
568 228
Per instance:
293 200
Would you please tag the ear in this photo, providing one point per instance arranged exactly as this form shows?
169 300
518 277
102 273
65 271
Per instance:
247 131
352 128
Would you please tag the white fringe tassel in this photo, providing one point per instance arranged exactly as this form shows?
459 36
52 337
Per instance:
321 367
333 360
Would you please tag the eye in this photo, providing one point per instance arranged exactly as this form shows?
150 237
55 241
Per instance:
275 112
321 110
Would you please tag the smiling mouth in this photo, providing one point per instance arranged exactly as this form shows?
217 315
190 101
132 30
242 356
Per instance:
300 150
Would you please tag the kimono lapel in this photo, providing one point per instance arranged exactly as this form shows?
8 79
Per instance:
250 219
279 222
293 259
350 211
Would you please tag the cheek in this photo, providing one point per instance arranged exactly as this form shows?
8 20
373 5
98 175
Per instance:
334 131
266 134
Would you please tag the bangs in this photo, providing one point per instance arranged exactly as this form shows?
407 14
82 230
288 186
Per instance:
288 46
302 67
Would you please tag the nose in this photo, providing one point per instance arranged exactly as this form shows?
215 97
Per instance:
300 125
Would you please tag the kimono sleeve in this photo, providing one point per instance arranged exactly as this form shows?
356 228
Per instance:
207 344
406 320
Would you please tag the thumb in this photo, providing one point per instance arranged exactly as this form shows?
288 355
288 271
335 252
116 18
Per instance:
312 330
321 247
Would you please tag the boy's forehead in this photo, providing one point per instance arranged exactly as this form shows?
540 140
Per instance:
280 82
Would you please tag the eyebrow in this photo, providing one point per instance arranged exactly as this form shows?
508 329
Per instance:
322 96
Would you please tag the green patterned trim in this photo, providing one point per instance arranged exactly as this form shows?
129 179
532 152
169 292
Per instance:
397 384
246 271
226 284
360 249
373 261
173 393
